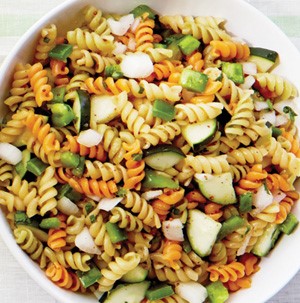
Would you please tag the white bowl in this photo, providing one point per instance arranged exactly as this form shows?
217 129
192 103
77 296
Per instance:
242 20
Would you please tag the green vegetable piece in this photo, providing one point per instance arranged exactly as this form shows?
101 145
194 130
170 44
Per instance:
21 167
48 223
264 53
88 207
159 45
142 9
78 171
69 159
276 132
113 71
58 94
245 202
155 179
36 166
177 54
290 111
66 190
62 114
168 38
188 44
193 81
164 110
138 274
21 218
115 233
289 224
61 52
187 248
82 110
230 225
89 277
234 71
158 292
217 292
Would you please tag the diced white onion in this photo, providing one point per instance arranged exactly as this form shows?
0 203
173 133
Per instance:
89 137
269 116
85 242
278 196
260 105
135 24
137 65
281 120
262 199
120 48
66 206
249 68
173 230
249 81
10 153
191 291
243 247
279 106
108 204
151 194
131 44
121 26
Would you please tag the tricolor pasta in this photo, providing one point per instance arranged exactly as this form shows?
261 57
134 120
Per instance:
137 130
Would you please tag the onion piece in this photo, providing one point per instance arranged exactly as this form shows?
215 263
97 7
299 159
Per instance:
135 24
10 153
137 65
85 242
120 48
173 230
121 26
89 138
249 81
151 194
260 105
108 204
262 199
191 291
243 247
281 120
278 196
278 106
66 206
249 68
269 116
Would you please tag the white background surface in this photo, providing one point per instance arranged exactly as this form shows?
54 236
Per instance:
15 284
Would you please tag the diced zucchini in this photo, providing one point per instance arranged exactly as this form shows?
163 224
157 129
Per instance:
264 58
200 134
81 109
103 109
266 241
156 179
138 274
163 156
202 232
128 293
234 72
217 188
163 110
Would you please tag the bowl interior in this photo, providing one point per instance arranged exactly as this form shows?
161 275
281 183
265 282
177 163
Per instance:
242 21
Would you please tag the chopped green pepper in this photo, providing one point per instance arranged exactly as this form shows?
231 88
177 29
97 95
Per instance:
276 132
158 292
89 277
217 292
193 81
234 71
115 233
36 166
113 71
245 202
188 44
140 10
79 169
48 223
61 52
164 110
58 94
289 224
62 114
230 225
69 159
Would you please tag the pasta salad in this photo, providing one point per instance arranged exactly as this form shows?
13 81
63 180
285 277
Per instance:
149 157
